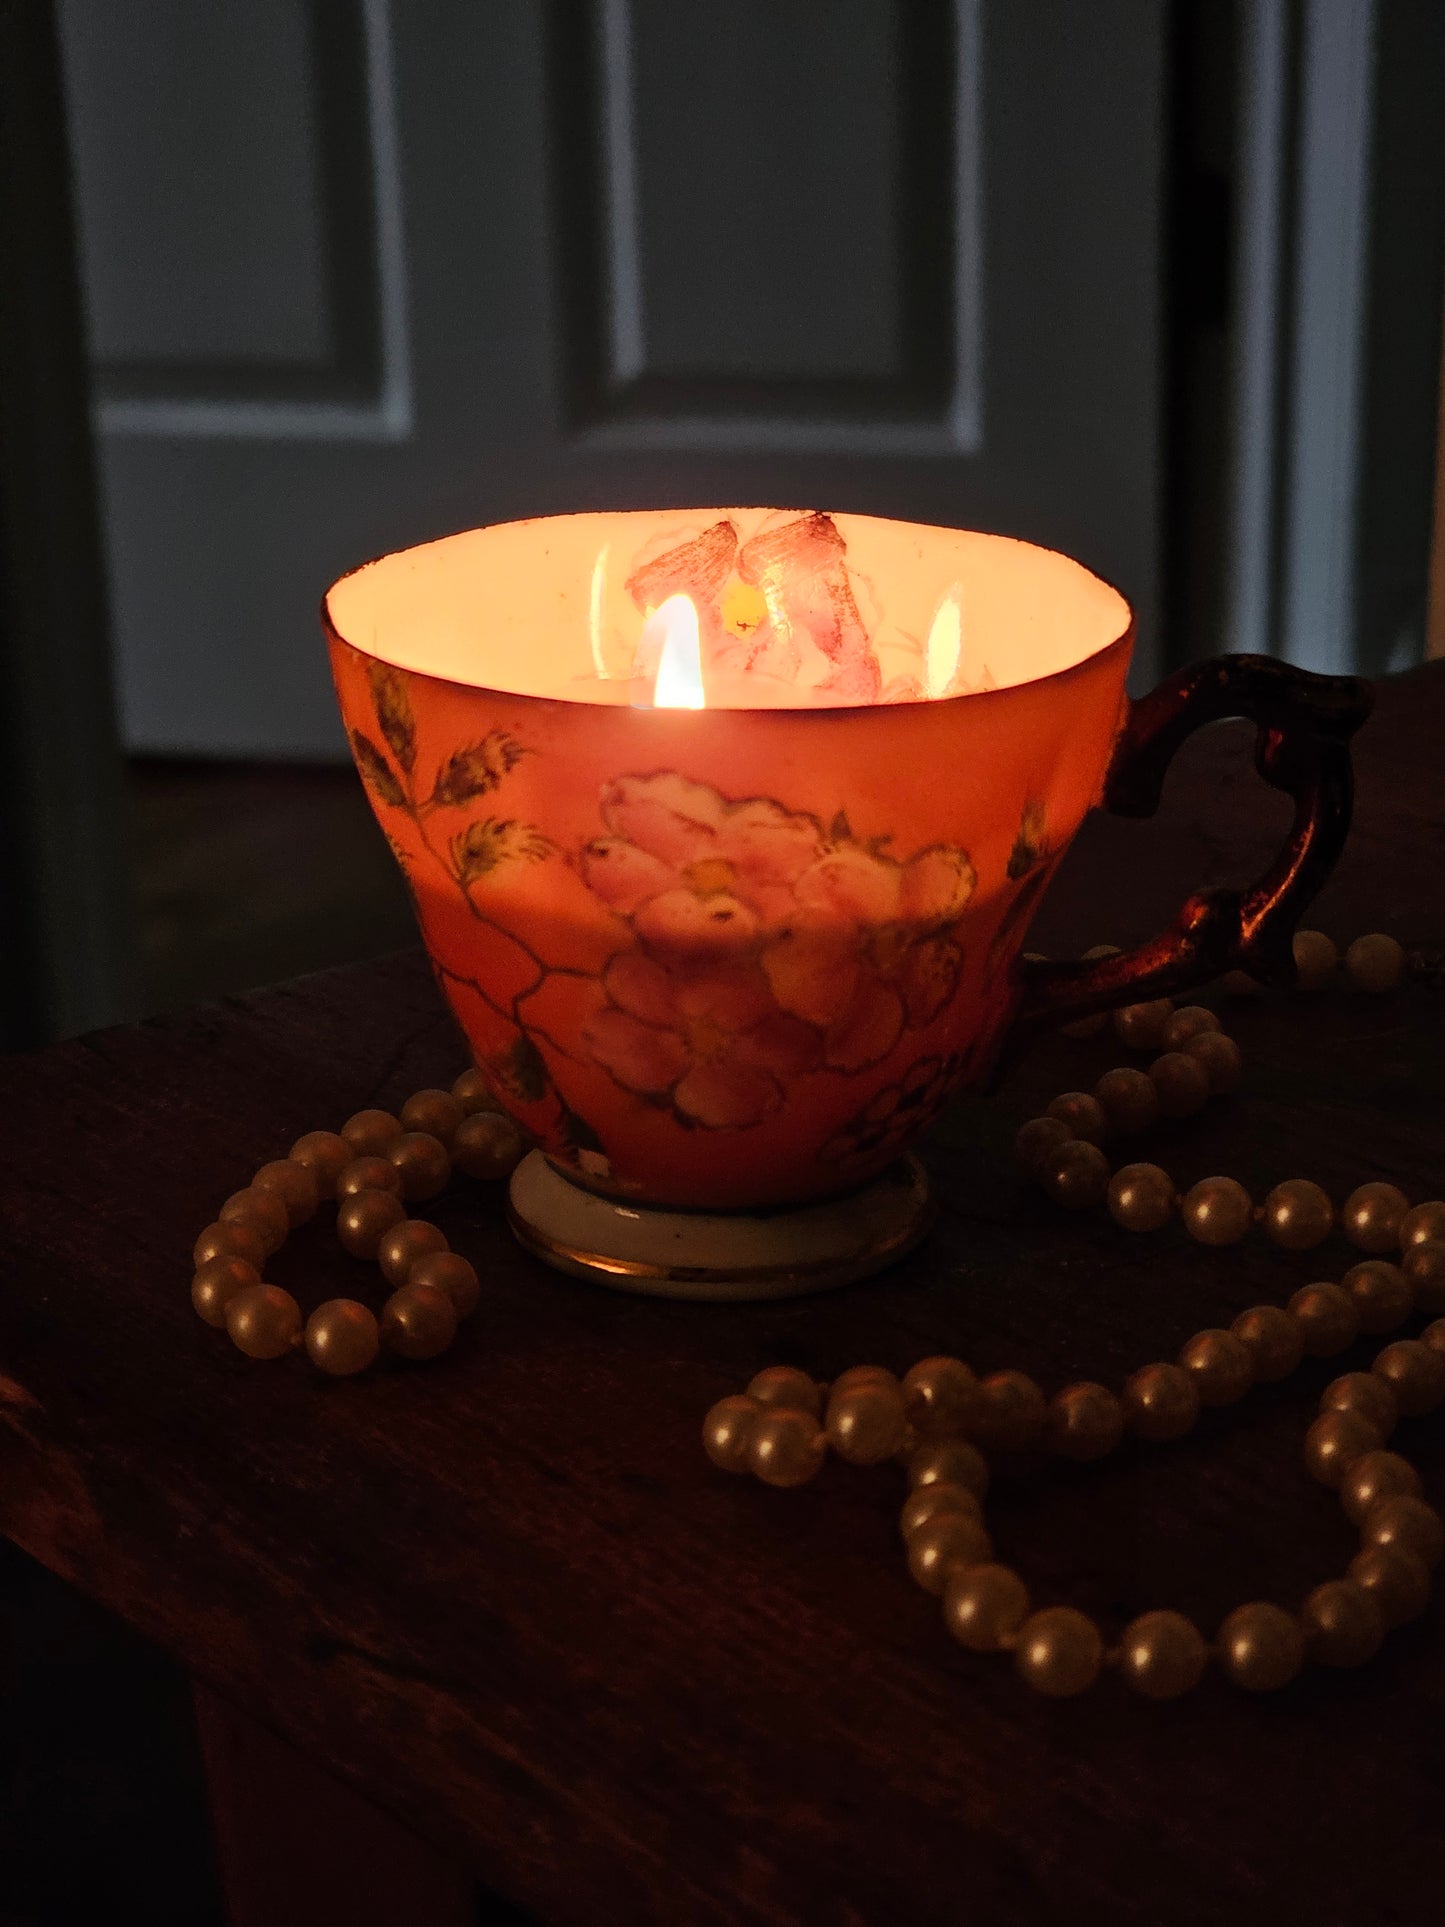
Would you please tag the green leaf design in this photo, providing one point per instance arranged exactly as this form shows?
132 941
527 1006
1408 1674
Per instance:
1029 843
477 771
485 845
393 713
376 772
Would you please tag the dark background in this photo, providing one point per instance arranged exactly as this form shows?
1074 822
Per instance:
1245 204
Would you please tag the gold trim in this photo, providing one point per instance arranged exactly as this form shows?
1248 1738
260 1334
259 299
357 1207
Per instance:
871 1256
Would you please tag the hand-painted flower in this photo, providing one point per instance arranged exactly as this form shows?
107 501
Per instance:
711 1042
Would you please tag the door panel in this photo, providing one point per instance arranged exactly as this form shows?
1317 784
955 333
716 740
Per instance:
445 264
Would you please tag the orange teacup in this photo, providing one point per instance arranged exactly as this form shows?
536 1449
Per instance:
736 956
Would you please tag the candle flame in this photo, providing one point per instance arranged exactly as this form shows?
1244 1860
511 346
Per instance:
679 664
945 645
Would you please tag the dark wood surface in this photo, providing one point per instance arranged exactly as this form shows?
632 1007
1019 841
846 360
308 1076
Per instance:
507 1598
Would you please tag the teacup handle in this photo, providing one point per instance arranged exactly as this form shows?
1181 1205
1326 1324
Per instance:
1304 723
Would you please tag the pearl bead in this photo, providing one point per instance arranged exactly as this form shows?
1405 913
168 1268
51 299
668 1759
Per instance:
1141 1197
864 1375
369 1132
1326 1317
293 1184
931 1501
231 1238
1415 1373
1298 1215
1336 1442
1141 1026
448 1271
983 1606
326 1155
400 1247
1012 1414
727 1431
866 1422
1216 1211
1058 1652
1037 1142
1367 1396
362 1221
342 1337
1162 1655
785 1385
1378 1475
1128 1099
1397 1581
1219 1058
1424 1224
1372 1216
1423 1269
1239 983
1260 1647
1160 1402
263 1321
1380 1293
1405 1522
786 1446
950 1461
1434 1335
1375 963
1315 959
1083 1114
1341 1624
1275 1342
435 1113
941 1397
473 1092
1085 1422
1077 1175
946 1543
1192 1020
264 1210
1181 1083
217 1282
422 1164
1219 1365
418 1322
488 1145
369 1173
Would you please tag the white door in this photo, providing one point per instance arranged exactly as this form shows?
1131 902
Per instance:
361 272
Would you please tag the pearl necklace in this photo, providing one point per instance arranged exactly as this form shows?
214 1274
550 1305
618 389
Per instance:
939 1421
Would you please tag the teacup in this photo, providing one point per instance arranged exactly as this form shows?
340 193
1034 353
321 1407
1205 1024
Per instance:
733 958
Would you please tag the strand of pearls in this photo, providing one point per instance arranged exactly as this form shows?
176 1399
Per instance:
372 1168
941 1422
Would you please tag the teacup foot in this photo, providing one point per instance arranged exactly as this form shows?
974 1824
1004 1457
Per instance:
718 1255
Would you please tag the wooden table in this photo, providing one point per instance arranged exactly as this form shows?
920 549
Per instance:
506 1599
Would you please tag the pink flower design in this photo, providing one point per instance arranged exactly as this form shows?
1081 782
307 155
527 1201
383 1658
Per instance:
708 1039
875 1135
765 946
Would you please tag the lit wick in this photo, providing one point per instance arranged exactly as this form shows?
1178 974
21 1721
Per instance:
671 636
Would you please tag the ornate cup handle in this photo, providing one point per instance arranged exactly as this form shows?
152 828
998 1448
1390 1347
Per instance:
1304 723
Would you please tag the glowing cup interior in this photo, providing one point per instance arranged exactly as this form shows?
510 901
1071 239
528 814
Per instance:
762 608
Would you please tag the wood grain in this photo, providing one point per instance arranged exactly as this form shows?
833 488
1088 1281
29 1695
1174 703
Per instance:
506 1597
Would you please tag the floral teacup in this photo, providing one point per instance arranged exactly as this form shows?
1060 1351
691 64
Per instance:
736 956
